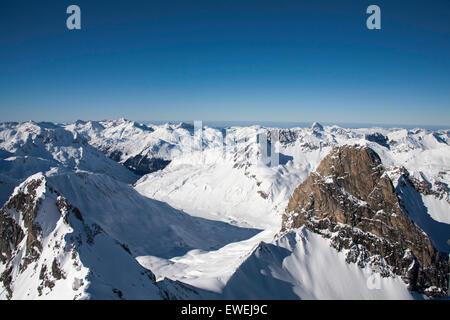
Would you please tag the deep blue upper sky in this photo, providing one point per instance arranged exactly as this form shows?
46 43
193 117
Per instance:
226 60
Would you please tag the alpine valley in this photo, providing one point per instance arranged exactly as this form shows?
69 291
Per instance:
124 210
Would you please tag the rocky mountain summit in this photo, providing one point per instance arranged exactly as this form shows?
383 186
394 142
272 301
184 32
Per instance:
56 243
351 200
48 249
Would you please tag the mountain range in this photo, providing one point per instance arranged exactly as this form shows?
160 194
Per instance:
123 210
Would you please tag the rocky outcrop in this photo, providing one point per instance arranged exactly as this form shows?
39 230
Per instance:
47 245
351 200
439 190
138 164
143 165
379 138
24 202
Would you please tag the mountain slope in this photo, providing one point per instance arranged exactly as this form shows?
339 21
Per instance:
351 200
49 251
147 226
225 183
29 147
142 149
241 188
303 265
371 200
58 242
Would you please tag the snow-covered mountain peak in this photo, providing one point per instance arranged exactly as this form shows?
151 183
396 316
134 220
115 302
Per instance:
73 235
30 138
29 147
317 127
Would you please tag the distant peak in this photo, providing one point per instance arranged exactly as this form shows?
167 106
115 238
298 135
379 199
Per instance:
185 125
122 121
317 126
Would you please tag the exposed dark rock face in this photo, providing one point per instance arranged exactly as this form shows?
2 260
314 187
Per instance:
139 164
115 155
351 200
423 186
378 138
289 137
142 165
57 273
317 127
438 138
22 238
12 234
25 202
24 206
285 136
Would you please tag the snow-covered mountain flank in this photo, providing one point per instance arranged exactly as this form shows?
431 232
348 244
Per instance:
29 147
122 210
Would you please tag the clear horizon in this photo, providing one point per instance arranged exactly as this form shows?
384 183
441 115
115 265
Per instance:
275 124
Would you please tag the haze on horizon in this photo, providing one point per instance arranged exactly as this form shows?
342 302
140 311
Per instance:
250 61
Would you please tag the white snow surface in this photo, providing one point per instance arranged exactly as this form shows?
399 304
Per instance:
302 264
230 187
29 147
97 254
213 187
299 265
210 219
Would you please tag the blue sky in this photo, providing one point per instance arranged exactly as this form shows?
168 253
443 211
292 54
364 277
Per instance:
226 60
